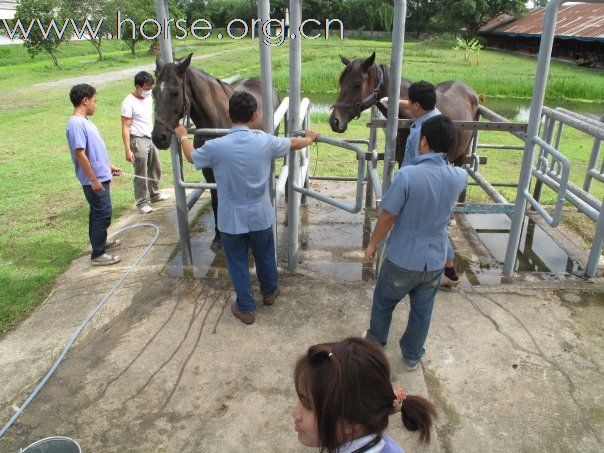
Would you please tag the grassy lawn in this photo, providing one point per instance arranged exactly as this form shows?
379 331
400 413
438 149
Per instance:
43 213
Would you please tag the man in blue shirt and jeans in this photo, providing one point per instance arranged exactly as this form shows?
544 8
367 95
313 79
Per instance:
241 161
421 105
417 207
93 170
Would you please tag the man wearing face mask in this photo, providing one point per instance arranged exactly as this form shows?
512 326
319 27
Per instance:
137 124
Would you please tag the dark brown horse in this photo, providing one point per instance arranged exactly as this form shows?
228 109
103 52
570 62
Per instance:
180 87
363 84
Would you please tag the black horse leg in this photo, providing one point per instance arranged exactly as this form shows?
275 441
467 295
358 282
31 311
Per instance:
458 163
401 143
208 174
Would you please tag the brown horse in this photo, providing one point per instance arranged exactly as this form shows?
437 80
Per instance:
180 88
363 84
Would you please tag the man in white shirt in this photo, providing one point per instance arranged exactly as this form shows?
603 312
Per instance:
137 124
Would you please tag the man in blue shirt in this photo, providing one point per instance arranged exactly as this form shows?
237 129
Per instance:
241 161
93 170
422 106
417 208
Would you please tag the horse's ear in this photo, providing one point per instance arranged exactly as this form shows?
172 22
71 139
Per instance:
159 64
344 60
184 64
368 62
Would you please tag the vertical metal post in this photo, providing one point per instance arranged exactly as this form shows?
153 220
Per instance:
394 89
165 39
593 160
182 210
370 148
596 246
295 68
266 80
306 151
545 51
548 134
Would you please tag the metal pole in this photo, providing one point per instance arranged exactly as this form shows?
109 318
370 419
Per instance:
180 195
165 39
295 68
545 51
593 160
596 246
266 81
370 148
394 89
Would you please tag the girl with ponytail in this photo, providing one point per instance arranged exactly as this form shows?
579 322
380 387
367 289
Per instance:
345 398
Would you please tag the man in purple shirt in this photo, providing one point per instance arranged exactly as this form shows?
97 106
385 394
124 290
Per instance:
93 170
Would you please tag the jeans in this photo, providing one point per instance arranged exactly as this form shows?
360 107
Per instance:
99 218
393 284
236 250
146 164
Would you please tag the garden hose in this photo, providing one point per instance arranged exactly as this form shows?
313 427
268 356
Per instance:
86 321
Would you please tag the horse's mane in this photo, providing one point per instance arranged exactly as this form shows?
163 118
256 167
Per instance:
170 70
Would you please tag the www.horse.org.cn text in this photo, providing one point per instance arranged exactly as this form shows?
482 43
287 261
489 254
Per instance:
275 30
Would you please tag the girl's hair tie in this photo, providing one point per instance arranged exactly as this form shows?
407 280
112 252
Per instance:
397 403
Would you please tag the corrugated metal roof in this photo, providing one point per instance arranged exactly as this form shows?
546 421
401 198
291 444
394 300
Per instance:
580 20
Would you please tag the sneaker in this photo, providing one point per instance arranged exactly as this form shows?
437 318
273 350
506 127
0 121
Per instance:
410 366
112 243
246 317
161 197
269 299
105 260
146 209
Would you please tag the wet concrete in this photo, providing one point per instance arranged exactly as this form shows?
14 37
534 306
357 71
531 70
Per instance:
165 366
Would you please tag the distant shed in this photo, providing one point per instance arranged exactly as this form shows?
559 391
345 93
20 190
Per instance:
579 33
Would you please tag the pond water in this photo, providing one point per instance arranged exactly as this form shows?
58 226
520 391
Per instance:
514 109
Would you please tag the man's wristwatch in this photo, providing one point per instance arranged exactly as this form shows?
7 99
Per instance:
184 137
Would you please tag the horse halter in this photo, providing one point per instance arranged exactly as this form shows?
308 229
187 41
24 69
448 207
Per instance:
364 103
186 114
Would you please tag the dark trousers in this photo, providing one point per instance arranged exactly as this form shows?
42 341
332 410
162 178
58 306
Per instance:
236 248
99 218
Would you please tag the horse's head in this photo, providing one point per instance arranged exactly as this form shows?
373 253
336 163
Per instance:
360 83
170 98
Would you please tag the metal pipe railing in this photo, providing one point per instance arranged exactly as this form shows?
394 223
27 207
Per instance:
360 178
543 63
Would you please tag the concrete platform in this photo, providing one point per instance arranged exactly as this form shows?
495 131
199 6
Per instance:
164 366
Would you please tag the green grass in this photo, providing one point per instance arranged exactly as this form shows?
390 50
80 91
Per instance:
43 214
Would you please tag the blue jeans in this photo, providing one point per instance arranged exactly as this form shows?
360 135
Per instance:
236 251
393 284
99 217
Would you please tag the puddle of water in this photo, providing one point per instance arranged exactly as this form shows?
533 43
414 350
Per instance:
537 252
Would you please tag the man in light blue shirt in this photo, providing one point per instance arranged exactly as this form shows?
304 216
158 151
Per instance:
422 106
417 208
241 161
93 170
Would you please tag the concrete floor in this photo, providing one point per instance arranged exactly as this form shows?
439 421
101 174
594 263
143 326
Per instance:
164 366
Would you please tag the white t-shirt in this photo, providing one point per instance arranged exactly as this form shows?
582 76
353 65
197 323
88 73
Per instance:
141 113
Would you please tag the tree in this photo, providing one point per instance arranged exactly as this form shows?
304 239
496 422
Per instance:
424 17
47 23
473 14
93 20
540 3
132 14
